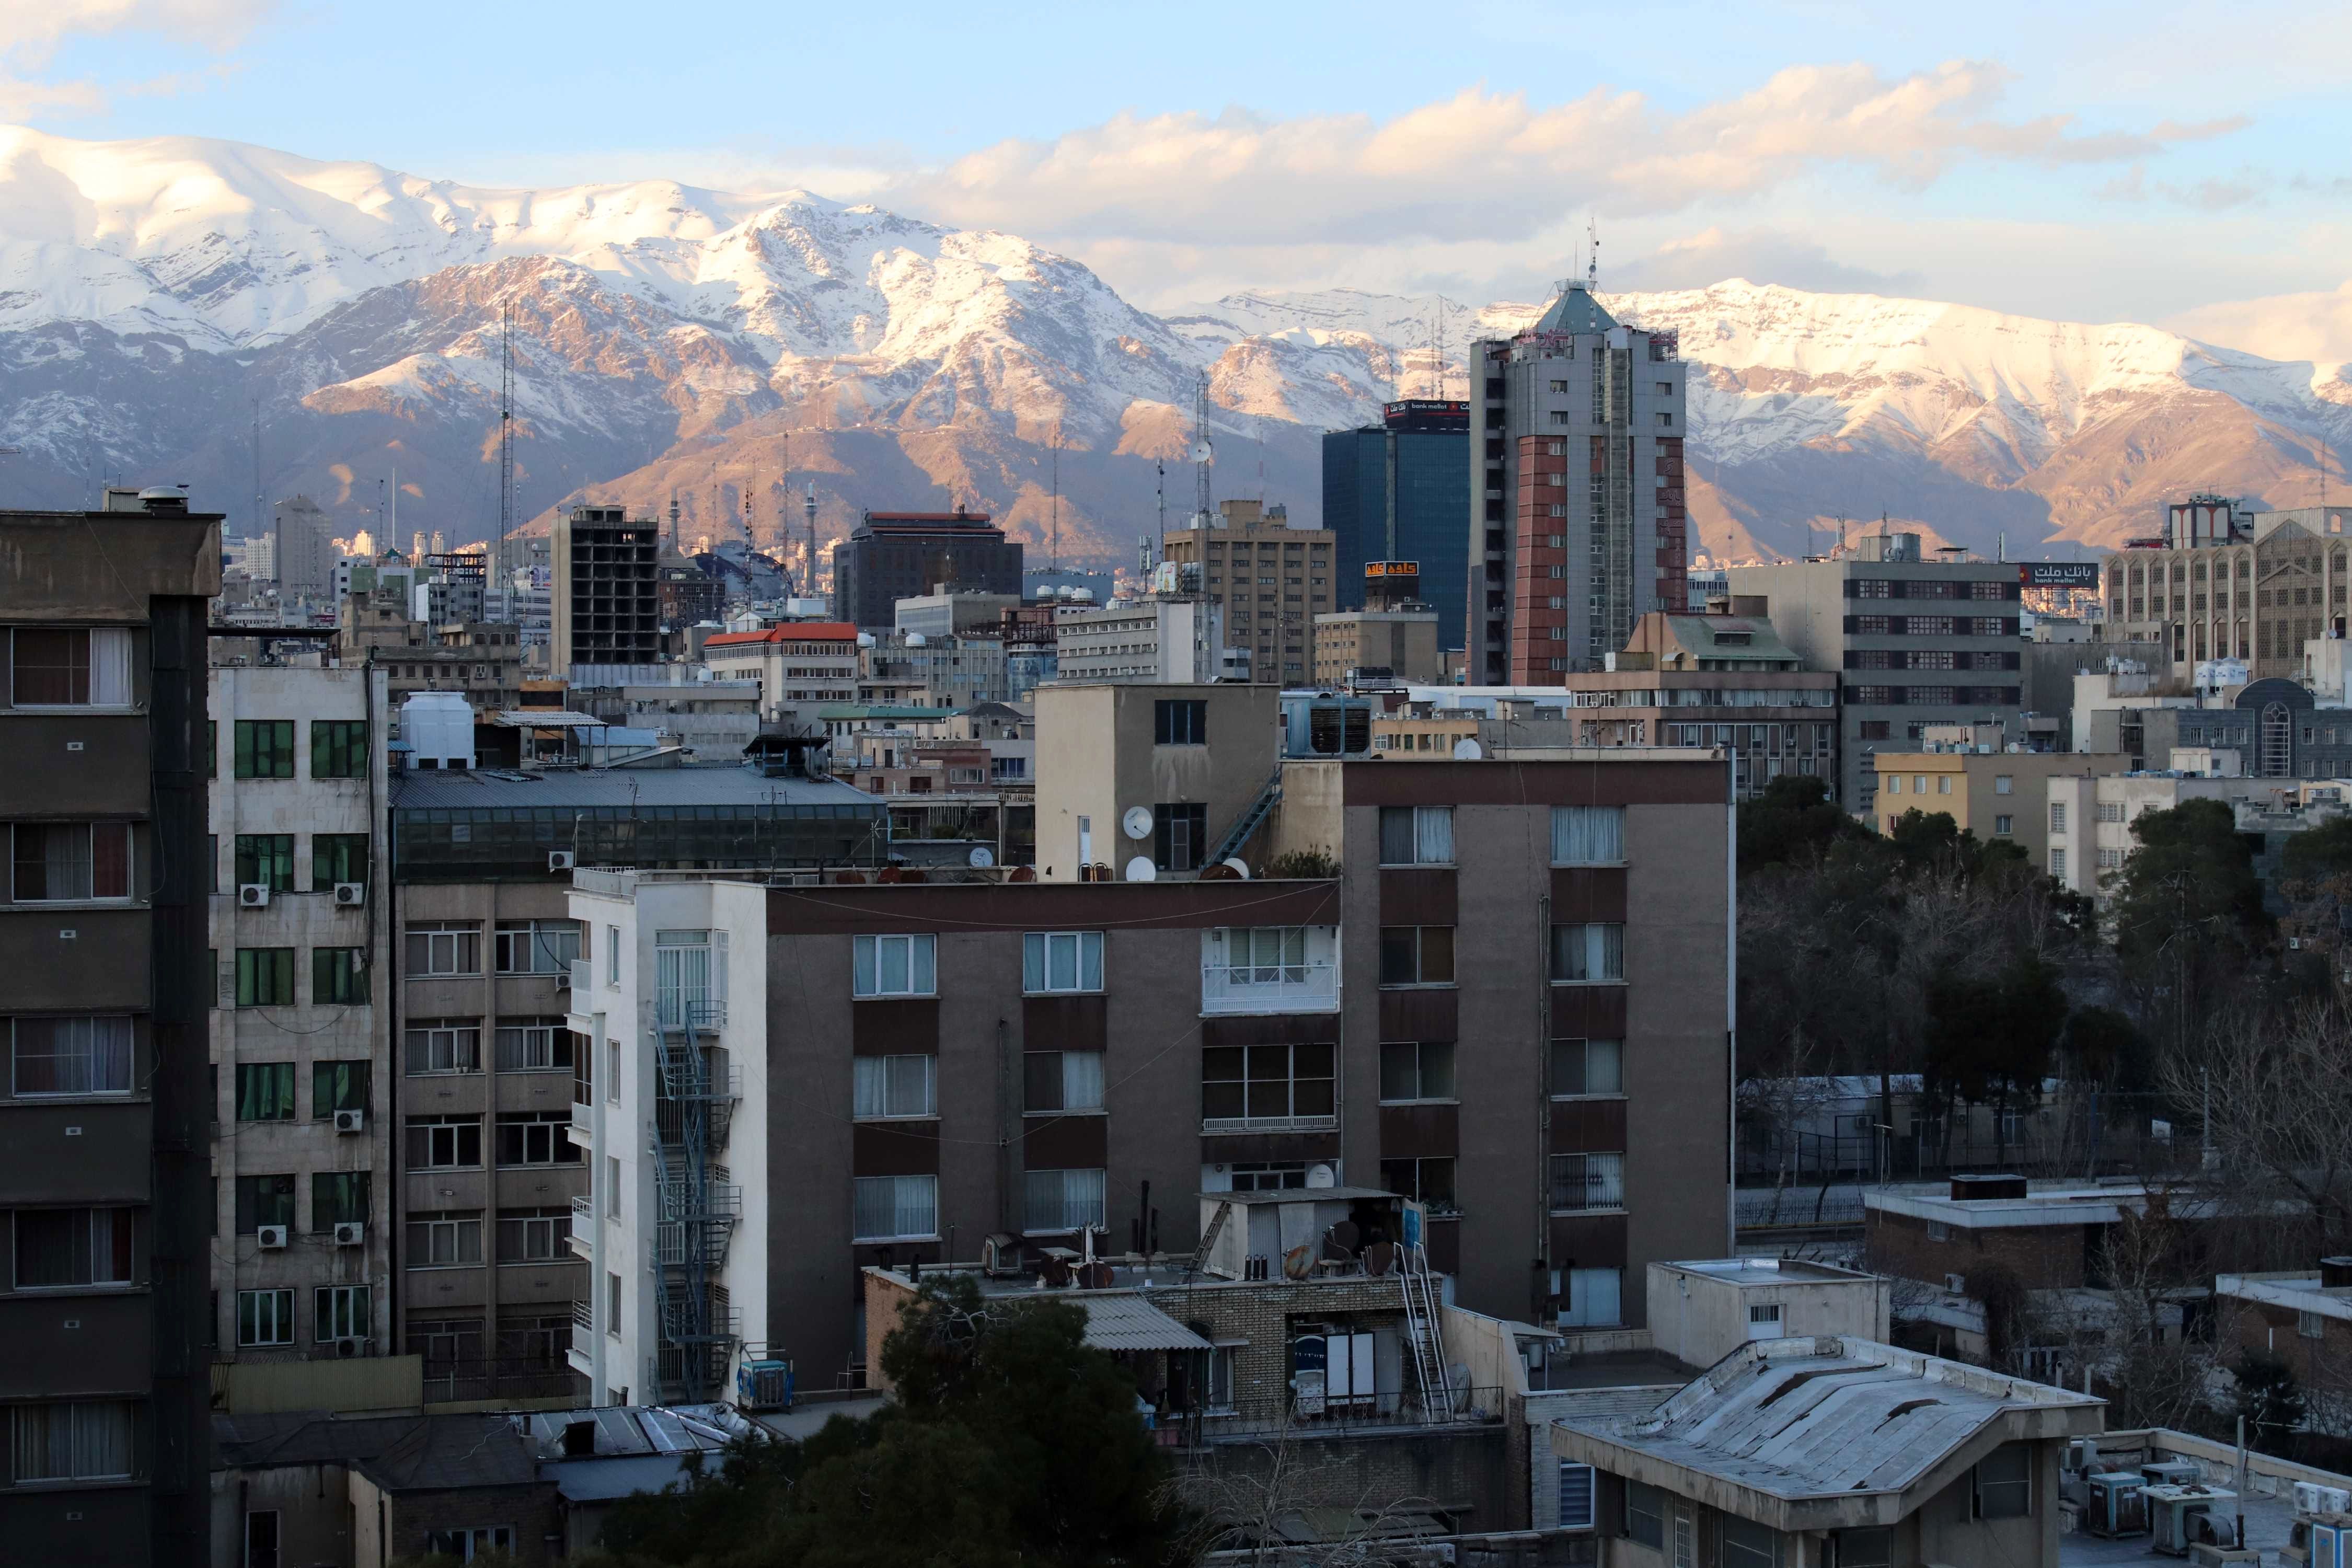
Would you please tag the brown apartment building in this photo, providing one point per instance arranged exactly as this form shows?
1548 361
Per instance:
1510 1006
103 992
1271 580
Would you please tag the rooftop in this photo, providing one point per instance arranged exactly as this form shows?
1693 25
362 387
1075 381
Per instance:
1773 1271
509 789
788 631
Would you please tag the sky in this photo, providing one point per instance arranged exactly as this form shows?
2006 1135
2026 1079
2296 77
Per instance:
2184 166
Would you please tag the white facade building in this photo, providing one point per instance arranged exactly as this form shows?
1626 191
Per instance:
677 1263
1157 639
301 1148
2089 834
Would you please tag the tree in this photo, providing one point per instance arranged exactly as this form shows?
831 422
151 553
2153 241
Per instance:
2276 1090
1792 823
1990 1037
2269 1399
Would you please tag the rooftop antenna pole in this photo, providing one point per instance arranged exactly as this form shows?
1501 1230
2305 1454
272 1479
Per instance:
1591 257
1053 526
812 528
1203 455
1160 490
259 509
506 432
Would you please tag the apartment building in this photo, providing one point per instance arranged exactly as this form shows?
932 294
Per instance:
798 664
605 606
1193 761
1392 638
488 1284
1902 665
841 1076
895 555
2084 831
1397 491
1268 580
481 662
302 1159
932 671
2225 582
2001 796
103 987
1577 523
1162 638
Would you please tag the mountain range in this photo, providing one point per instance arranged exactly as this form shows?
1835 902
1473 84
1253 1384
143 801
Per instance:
255 324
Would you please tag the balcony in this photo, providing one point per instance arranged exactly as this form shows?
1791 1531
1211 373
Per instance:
1311 987
694 1010
583 977
1213 1125
1386 1414
583 1130
583 1226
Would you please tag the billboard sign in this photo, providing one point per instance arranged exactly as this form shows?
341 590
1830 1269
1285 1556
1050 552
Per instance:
2059 574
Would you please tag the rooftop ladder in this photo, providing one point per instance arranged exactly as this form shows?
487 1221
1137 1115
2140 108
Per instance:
1428 1345
1250 818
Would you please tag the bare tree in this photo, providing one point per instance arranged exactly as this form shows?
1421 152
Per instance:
1264 1504
2277 1096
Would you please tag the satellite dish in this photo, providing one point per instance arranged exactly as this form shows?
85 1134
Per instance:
1235 862
981 857
1200 451
1140 870
1466 750
1321 1175
1138 822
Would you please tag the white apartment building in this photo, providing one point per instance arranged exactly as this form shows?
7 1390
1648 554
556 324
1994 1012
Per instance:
301 1147
1163 640
799 665
677 1264
2088 833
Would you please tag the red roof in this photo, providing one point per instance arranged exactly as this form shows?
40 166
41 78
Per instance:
790 631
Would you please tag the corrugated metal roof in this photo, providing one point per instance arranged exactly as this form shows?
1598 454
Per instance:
435 789
1132 1323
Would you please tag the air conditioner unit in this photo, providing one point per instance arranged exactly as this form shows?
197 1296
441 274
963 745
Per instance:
351 1233
351 895
561 859
253 895
350 1121
1957 1284
563 978
352 1345
269 1238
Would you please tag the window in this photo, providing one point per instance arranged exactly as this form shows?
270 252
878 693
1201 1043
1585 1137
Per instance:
895 1087
2004 1482
1894 784
86 1441
338 1085
438 1045
1062 1082
535 1044
1416 955
534 1235
612 955
265 748
466 1544
1413 1071
264 1200
1064 1200
1180 836
1937 1229
1179 723
537 947
1743 1543
1249 1085
261 1537
266 858
265 1318
69 667
444 947
2310 1325
612 1187
337 857
64 862
1583 1182
1943 783
1581 953
264 977
339 976
1416 836
1053 961
2057 817
536 1138
1588 835
1586 1067
2058 864
444 1241
340 1313
2004 827
69 1056
445 1142
67 1249
1646 1515
444 1342
265 1091
1262 955
895 1208
339 750
2004 783
338 1197
1425 1181
1592 1297
1575 1496
1864 1549
895 966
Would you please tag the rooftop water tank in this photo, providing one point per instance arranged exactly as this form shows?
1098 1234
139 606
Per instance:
438 727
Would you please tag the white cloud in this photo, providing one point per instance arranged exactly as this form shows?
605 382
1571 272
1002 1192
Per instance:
31 32
2315 326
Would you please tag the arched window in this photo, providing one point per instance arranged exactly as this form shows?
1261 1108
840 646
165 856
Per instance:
2277 741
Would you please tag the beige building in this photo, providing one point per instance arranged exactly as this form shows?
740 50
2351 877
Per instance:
1401 642
2085 828
1106 748
1271 580
2223 583
1998 796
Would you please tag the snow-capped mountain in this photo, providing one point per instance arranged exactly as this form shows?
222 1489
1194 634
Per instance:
157 297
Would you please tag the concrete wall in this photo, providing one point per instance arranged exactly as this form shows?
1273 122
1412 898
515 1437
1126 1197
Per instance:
1699 1318
1096 758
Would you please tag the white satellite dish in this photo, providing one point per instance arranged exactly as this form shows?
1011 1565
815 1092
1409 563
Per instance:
1138 822
1200 451
1239 869
1321 1175
1466 750
982 857
1140 870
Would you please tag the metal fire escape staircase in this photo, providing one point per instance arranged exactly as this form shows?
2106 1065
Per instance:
1252 817
699 1206
1427 1341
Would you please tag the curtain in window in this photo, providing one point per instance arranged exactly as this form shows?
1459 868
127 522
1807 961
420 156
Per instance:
894 1086
1588 835
1064 1200
338 1085
110 666
1589 952
1082 1080
1432 835
265 1092
71 1442
895 1205
73 1055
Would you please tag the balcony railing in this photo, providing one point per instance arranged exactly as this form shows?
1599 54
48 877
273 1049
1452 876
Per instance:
1270 987
1373 1416
1270 1124
583 1233
583 977
582 1129
514 1378
692 1010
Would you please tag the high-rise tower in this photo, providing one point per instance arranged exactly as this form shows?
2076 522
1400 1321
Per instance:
1577 519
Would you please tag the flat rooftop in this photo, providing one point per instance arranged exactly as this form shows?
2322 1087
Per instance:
510 789
1773 1271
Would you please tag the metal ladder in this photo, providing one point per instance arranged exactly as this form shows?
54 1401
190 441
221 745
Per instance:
1254 814
1428 1344
1208 1239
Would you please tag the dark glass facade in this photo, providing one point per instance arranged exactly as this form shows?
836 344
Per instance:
890 556
1432 473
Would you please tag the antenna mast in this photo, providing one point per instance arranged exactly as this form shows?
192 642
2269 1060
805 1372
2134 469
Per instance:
1160 490
1053 528
1591 257
506 435
812 528
1204 454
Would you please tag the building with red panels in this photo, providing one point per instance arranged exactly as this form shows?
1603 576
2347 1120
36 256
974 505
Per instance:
1577 526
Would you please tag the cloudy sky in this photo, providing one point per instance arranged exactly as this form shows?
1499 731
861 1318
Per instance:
2185 164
